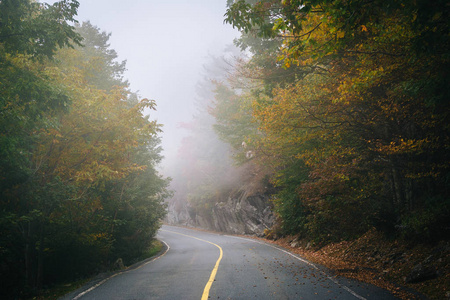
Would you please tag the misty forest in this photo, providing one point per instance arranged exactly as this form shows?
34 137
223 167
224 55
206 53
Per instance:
324 124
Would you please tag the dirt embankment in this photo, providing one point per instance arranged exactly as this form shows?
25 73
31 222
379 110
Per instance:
410 272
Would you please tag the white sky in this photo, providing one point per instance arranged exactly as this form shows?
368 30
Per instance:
165 43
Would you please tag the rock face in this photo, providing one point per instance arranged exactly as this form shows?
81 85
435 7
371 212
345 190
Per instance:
241 213
244 214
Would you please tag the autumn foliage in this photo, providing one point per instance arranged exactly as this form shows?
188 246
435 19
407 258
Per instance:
78 183
349 110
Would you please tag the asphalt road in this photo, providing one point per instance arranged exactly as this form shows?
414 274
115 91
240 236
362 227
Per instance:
201 265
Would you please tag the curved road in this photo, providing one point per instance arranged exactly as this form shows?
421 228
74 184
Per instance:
201 265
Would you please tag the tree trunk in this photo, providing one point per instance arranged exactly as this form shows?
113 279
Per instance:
29 274
40 259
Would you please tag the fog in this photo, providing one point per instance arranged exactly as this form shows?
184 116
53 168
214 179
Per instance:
165 44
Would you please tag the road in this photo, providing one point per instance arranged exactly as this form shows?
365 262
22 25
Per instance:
202 265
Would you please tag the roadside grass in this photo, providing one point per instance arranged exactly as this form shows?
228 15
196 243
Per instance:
62 289
154 249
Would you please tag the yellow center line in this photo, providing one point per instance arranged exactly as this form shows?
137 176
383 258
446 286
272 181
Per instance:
214 271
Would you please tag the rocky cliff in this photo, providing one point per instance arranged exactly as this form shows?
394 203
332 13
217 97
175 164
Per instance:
240 213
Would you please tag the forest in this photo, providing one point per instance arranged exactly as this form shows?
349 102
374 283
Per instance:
336 109
78 181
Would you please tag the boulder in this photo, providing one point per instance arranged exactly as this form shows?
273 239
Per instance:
118 265
421 273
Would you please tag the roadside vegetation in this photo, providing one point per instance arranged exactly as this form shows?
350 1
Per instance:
78 182
61 289
346 105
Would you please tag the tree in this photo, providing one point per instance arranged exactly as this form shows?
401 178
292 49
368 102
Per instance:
205 173
99 60
105 149
37 29
26 96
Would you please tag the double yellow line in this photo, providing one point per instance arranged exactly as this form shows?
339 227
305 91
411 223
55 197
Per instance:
214 271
